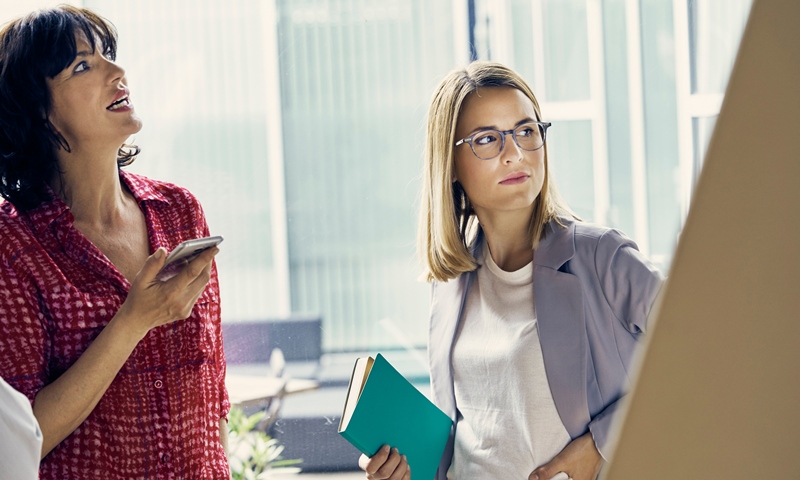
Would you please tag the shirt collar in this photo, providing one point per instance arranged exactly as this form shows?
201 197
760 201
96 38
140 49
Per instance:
46 213
142 189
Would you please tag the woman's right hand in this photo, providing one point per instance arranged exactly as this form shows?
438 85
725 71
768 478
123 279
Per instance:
152 303
387 464
64 404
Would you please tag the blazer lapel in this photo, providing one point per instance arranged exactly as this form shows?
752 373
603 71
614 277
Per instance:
558 299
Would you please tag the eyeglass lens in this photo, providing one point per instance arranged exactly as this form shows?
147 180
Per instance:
490 143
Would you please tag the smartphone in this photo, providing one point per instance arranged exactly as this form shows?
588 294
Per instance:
185 253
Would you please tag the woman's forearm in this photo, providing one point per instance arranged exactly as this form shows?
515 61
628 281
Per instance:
63 405
223 434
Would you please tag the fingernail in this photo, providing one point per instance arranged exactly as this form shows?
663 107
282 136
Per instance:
160 253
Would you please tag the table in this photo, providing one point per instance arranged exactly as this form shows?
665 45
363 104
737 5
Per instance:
249 390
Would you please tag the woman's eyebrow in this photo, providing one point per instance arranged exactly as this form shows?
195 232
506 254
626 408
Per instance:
493 127
81 55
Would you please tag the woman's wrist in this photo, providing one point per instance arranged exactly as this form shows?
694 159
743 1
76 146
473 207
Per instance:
125 327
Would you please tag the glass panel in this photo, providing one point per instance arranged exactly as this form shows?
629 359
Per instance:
356 77
522 40
620 213
200 97
566 44
716 27
661 135
569 154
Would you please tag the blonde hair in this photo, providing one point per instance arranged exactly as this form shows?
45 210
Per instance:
447 222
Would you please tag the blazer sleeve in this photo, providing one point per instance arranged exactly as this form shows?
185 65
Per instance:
630 283
628 280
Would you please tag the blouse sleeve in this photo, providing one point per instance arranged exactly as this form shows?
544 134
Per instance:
24 339
219 351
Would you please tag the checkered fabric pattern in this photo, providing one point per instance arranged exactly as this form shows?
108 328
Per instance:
160 416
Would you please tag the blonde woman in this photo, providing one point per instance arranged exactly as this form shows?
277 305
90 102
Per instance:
535 314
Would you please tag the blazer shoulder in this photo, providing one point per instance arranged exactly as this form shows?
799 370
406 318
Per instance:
593 235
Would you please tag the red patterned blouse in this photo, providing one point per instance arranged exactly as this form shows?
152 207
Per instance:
160 416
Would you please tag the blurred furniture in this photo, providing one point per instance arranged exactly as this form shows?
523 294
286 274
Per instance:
260 357
298 336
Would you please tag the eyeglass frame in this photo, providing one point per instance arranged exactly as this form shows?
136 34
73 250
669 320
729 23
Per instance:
542 125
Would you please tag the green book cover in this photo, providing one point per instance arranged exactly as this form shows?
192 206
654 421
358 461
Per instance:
390 410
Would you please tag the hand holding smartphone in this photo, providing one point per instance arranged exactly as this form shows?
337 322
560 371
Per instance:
185 253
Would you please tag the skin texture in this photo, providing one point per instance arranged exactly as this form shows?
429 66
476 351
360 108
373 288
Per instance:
107 214
504 212
580 459
387 464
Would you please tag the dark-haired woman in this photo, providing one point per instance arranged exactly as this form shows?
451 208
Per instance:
125 373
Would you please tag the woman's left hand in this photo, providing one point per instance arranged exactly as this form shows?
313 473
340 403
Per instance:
580 460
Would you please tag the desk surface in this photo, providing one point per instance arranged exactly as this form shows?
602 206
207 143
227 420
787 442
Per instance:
245 390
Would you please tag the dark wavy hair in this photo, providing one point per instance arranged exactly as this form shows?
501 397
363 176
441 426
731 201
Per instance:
33 48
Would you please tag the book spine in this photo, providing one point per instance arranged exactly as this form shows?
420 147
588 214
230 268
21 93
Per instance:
356 443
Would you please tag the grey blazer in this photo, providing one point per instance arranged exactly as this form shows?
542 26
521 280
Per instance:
593 291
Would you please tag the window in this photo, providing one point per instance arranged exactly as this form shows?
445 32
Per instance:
300 125
707 37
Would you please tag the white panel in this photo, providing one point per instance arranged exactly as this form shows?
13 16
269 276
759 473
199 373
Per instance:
637 135
277 179
597 87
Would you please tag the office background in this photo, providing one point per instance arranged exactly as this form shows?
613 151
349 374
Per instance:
300 125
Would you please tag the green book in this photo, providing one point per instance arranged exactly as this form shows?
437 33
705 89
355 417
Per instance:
383 408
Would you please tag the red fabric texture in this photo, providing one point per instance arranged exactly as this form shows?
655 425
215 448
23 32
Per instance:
160 416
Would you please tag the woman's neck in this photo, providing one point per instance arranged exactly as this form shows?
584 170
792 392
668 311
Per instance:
508 236
89 184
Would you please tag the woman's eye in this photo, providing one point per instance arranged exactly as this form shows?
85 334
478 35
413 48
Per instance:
83 66
526 132
485 138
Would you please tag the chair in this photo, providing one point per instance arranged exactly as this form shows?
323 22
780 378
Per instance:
277 367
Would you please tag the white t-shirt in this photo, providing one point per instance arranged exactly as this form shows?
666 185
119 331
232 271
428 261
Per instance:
507 424
21 441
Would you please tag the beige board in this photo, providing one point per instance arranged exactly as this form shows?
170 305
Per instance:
718 389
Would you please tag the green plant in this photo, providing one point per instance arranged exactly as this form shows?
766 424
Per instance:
254 455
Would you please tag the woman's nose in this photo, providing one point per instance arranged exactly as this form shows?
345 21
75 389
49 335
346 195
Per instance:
115 72
511 151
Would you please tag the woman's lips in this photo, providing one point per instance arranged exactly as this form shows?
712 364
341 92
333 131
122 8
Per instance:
121 102
122 105
515 178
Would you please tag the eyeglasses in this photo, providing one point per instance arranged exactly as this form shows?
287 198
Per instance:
487 144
